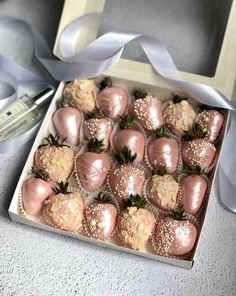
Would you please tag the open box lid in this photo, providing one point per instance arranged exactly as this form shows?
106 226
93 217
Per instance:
221 76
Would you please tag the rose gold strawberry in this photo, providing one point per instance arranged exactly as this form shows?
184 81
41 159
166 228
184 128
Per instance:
112 100
193 188
174 235
34 191
67 121
93 166
125 178
129 137
146 110
163 152
64 209
97 126
198 152
55 159
208 124
100 217
135 224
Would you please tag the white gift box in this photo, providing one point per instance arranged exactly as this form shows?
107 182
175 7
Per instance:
130 74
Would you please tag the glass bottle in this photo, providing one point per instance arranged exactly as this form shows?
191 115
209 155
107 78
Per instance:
23 114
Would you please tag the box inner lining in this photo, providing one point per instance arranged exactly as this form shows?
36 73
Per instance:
192 31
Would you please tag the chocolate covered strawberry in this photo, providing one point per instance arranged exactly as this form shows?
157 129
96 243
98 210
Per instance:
34 191
193 189
67 121
135 224
93 166
198 152
100 217
174 235
162 190
208 124
146 110
64 209
163 152
55 159
179 116
80 94
112 100
97 126
129 137
125 178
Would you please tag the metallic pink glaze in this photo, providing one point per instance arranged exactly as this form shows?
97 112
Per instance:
211 121
99 128
147 112
193 190
126 179
67 121
198 152
174 237
163 153
100 219
34 192
113 101
132 139
92 169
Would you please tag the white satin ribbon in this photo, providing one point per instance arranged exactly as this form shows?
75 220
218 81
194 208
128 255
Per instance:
105 52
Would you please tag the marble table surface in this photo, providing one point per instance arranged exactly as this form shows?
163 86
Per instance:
35 262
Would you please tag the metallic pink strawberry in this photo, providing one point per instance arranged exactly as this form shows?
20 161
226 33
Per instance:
67 121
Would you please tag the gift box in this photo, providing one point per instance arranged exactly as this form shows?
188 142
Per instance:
130 74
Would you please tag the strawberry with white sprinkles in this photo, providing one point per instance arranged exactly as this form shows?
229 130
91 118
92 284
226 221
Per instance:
210 122
125 178
198 152
174 235
97 126
146 110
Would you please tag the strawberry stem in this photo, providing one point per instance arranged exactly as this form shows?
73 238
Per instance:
103 197
199 131
96 113
61 187
124 155
39 173
134 201
126 122
52 140
139 93
106 82
95 145
177 98
161 131
192 170
178 214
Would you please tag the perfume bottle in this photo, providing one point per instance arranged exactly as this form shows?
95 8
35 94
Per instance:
23 114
